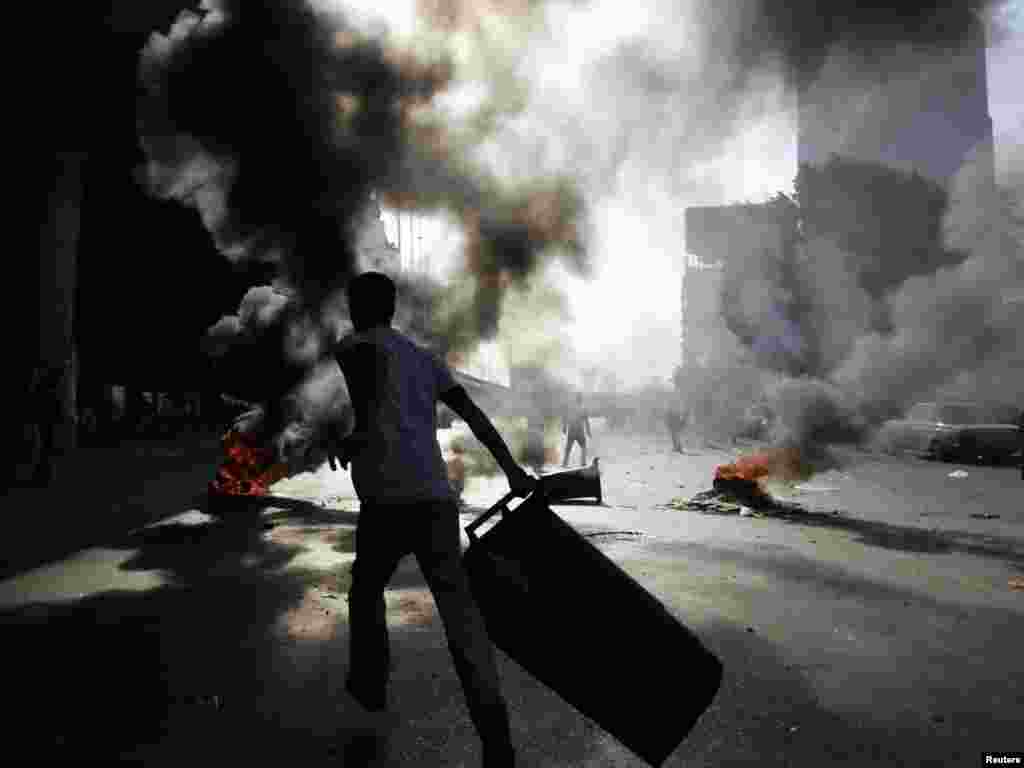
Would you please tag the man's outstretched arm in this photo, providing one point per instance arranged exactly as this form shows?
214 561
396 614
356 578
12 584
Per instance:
460 402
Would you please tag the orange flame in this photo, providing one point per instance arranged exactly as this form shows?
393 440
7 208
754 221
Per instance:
248 469
782 463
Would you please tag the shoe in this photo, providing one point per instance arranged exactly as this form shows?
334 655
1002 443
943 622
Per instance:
365 735
378 702
505 758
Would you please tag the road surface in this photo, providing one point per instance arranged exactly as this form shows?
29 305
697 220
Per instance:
883 628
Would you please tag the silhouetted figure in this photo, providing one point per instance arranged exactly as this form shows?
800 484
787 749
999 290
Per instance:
576 429
47 414
407 505
675 420
534 453
457 472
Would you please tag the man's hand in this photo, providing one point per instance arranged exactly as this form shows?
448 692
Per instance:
335 456
521 483
343 451
333 438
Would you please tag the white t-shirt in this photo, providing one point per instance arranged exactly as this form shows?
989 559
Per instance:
403 462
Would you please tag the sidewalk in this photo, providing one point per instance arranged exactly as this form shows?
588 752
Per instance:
103 491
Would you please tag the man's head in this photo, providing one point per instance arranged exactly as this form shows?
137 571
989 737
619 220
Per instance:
371 300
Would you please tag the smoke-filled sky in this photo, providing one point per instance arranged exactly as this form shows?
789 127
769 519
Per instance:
532 123
671 104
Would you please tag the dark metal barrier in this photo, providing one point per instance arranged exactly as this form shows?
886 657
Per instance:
582 483
572 618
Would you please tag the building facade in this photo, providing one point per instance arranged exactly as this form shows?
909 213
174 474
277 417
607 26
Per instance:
725 243
909 108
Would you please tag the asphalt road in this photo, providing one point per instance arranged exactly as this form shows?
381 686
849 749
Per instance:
882 627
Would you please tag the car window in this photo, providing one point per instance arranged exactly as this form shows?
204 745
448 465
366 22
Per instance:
958 414
920 412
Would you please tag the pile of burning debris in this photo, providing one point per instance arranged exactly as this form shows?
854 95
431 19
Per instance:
248 468
740 487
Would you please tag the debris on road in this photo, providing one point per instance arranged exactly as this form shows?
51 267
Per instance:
705 502
715 502
958 473
613 533
734 496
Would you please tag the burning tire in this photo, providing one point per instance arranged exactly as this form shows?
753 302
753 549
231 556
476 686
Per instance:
244 476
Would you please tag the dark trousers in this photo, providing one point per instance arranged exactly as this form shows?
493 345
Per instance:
430 530
44 471
677 444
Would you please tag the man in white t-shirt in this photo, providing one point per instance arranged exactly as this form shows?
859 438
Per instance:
407 505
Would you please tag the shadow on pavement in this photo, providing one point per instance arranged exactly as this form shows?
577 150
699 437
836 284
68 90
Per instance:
908 538
274 510
102 491
239 657
769 713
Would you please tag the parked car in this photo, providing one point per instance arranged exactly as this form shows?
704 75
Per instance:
963 430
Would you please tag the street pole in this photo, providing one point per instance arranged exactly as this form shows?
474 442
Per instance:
58 249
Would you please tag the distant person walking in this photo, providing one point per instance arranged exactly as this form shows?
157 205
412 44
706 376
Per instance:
407 506
534 456
576 429
675 420
47 414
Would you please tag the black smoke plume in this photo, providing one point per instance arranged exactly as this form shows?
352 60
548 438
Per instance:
895 289
803 32
278 122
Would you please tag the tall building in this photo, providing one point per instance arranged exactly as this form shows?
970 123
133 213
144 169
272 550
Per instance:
912 108
702 327
909 107
724 240
376 251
